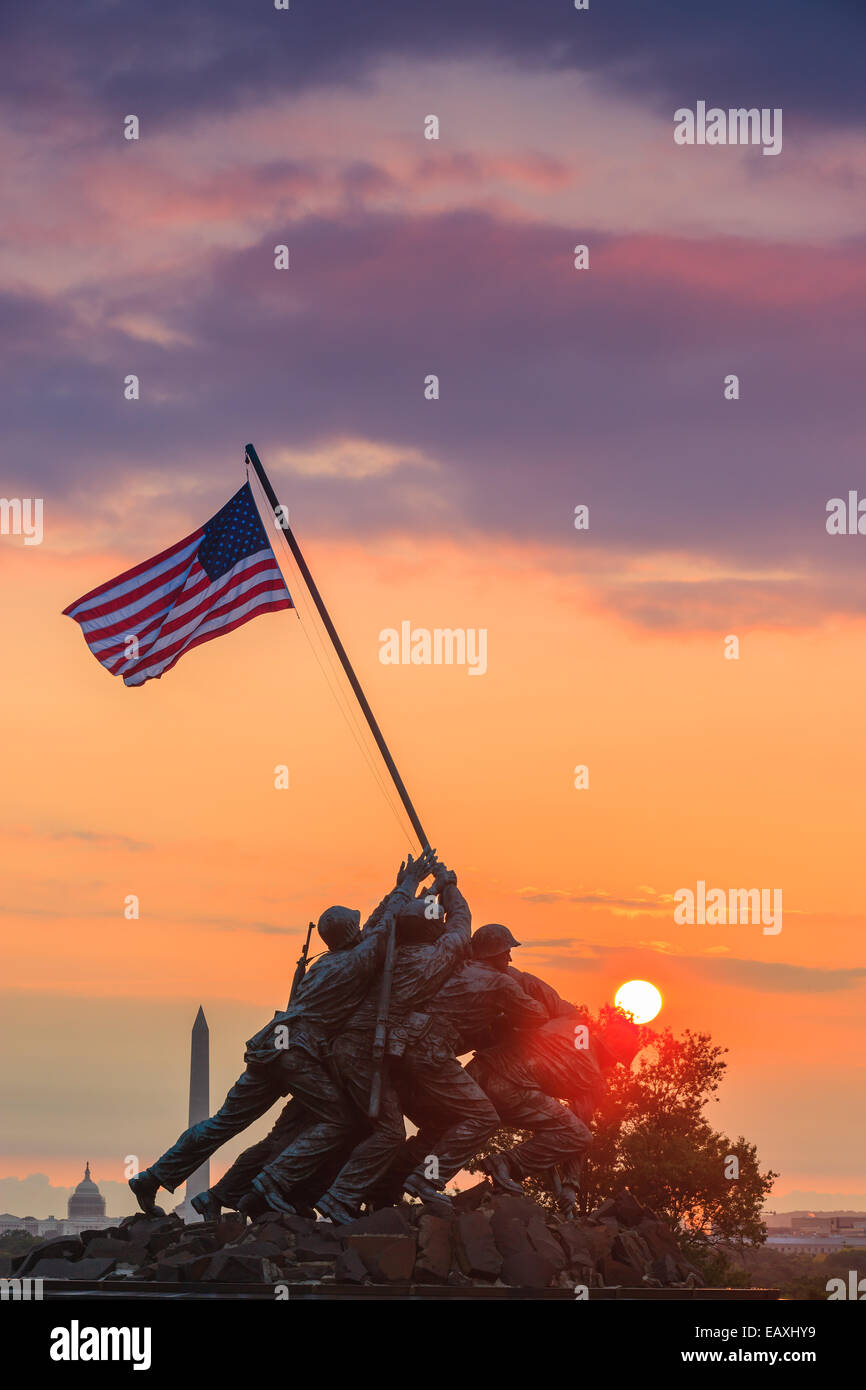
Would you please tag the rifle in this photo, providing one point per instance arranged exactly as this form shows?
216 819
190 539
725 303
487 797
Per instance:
380 1036
301 967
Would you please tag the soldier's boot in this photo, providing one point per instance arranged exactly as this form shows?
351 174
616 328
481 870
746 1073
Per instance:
418 1186
496 1167
274 1198
252 1204
387 1193
144 1188
207 1205
335 1210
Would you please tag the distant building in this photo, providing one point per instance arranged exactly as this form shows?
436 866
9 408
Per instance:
824 1224
812 1245
85 1211
8 1222
86 1202
814 1232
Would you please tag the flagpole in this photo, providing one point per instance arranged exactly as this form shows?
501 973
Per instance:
346 664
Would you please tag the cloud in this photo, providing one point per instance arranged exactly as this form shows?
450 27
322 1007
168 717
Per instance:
661 902
703 512
179 918
735 489
211 54
695 605
34 1195
777 977
774 977
351 458
222 182
98 839
802 1201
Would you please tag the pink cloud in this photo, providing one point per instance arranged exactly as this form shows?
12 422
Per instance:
781 275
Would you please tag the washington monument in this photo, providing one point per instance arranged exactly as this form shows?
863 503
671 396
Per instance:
199 1102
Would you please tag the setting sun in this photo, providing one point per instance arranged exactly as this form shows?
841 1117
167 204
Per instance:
639 998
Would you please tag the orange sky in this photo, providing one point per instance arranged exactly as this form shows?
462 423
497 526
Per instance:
746 773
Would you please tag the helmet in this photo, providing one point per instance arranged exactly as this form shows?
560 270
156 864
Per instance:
420 921
492 940
338 927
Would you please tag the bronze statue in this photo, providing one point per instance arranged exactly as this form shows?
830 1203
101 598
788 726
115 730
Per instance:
428 950
287 1054
455 1117
548 1082
446 993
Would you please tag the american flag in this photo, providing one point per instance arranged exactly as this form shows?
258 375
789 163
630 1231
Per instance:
139 624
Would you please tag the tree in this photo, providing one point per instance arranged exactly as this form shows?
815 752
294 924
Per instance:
802 1276
650 1134
17 1242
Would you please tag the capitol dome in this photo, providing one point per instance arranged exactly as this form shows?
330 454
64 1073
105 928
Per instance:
86 1201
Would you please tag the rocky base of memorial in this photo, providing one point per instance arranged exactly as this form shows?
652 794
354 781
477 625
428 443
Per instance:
490 1239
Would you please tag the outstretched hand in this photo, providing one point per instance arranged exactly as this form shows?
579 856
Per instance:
442 876
414 870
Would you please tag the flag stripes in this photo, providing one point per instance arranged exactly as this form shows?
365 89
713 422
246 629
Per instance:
214 580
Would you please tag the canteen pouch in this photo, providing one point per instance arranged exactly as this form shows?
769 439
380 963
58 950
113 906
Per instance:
407 1033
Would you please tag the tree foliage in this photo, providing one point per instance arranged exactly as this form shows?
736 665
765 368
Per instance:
18 1242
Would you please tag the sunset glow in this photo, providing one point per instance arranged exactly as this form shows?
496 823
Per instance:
640 999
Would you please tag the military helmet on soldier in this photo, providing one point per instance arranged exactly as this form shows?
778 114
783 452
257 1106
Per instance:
339 927
492 940
420 921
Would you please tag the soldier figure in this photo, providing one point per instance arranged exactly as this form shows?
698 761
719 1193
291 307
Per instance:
427 952
530 1076
286 1055
235 1190
454 1116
